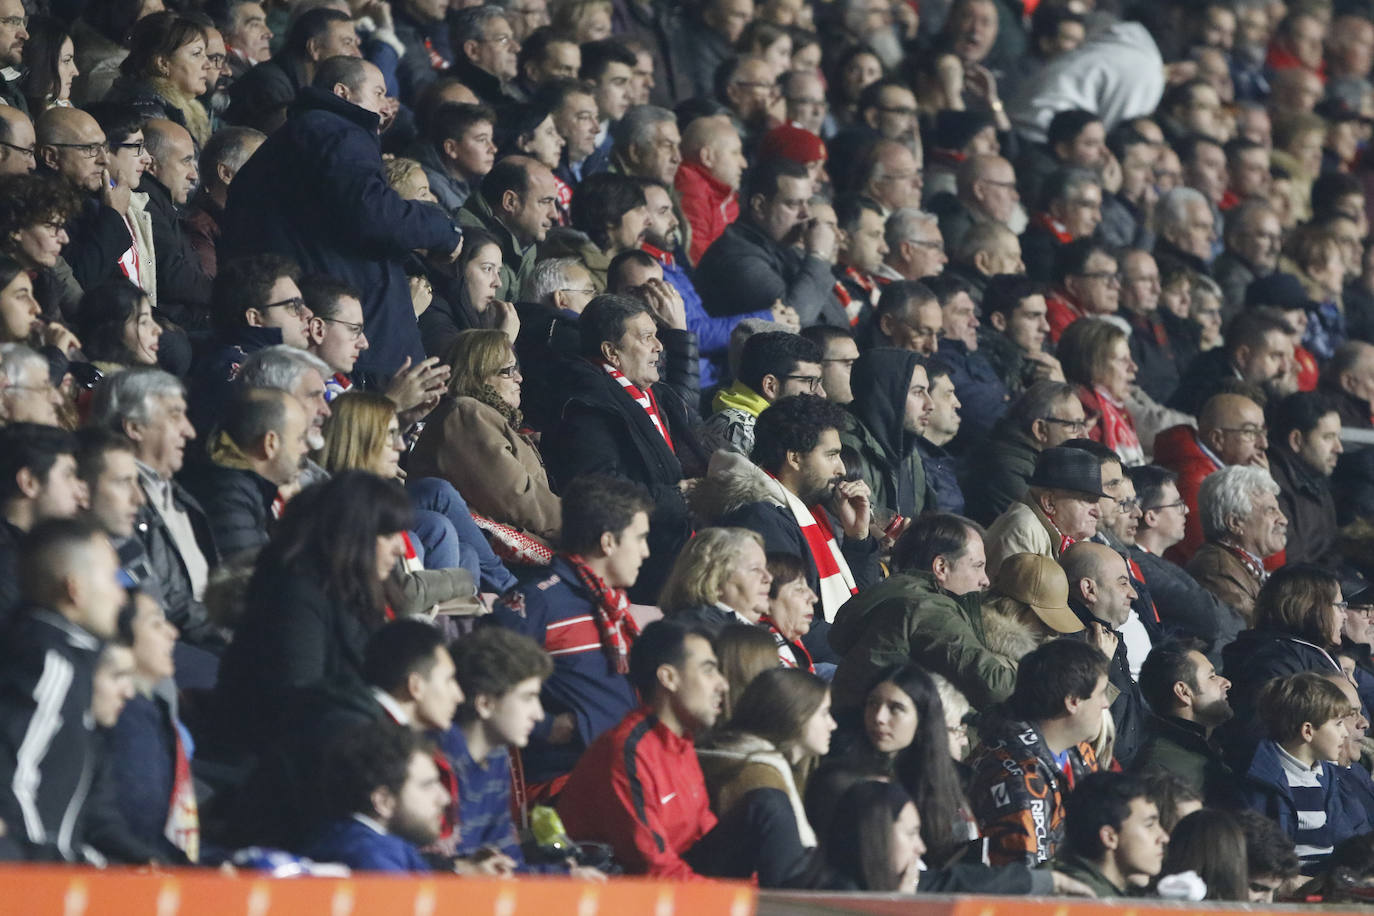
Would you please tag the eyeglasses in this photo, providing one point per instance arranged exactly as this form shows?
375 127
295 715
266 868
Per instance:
354 329
1071 424
586 291
749 84
14 22
1128 505
933 246
294 305
501 40
1249 431
87 150
1181 504
801 100
136 147
27 152
510 371
1364 610
812 382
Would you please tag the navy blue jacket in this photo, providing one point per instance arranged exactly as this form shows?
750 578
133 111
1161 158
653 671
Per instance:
1264 788
144 754
942 477
557 614
981 391
1256 657
212 378
318 194
363 849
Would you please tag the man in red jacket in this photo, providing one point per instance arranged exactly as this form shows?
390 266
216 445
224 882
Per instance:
1230 430
708 179
639 788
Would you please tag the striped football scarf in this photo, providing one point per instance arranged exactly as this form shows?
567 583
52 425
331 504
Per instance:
644 399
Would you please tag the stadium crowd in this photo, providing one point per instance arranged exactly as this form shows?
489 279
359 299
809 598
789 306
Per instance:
870 445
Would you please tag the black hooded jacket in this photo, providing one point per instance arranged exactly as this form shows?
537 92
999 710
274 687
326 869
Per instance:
877 444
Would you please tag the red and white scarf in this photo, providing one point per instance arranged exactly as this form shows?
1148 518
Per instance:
1053 226
644 399
787 651
182 828
1118 429
853 309
837 582
611 613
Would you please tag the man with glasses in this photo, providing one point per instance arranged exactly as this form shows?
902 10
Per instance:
486 52
1085 282
1071 209
985 192
890 173
751 91
772 365
803 92
255 303
915 246
27 394
908 317
1184 606
1230 431
17 142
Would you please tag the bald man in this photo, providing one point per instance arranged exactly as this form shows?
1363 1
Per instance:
1230 431
893 177
708 179
168 182
985 193
17 154
1100 595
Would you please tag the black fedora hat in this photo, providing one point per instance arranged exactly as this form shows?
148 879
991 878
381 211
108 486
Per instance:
1060 468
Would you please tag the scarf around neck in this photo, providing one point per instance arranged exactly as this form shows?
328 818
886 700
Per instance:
836 581
611 614
645 399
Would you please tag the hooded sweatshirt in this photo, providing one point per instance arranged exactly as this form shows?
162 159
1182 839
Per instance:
877 444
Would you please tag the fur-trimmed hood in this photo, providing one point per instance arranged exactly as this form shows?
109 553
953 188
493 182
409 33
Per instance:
1006 636
732 481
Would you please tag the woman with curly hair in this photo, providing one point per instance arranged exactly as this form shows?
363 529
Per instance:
166 71
721 577
34 211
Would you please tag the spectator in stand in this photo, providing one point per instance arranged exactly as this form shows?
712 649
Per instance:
708 180
753 264
118 327
839 352
27 394
1085 283
640 789
986 193
485 53
1113 839
1055 709
1096 355
1307 445
977 384
1253 239
908 317
166 72
32 211
261 97
220 160
347 222
457 152
859 254
169 180
915 247
498 468
609 215
890 410
1242 524
928 614
386 800
69 581
997 474
17 130
1292 777
608 66
1012 337
1157 364
1189 700
580 614
39 480
1182 604
772 366
1269 855
720 578
1071 210
941 426
1061 506
987 250
259 447
618 421
1211 844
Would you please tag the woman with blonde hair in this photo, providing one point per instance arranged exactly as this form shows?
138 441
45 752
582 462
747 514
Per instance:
1314 254
582 21
721 577
1096 356
475 440
364 434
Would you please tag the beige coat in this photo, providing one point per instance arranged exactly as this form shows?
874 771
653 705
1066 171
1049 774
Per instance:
1223 574
1023 528
496 469
142 222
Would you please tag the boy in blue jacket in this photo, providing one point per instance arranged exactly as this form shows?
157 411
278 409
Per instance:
1292 777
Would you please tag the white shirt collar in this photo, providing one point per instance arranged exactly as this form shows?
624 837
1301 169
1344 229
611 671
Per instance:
371 824
393 708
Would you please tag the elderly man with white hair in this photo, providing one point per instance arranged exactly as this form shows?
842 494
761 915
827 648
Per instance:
915 246
1187 229
1243 523
149 406
27 394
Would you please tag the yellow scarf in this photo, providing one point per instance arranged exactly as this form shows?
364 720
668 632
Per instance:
741 397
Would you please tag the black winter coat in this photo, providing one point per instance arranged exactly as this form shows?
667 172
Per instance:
318 194
183 286
1129 711
237 503
998 472
744 271
1306 500
1185 607
168 570
293 639
603 431
99 237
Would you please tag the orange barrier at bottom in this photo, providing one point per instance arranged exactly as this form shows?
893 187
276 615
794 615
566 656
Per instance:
783 903
45 890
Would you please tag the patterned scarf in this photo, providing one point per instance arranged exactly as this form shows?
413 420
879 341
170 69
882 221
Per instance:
182 828
836 580
644 399
1253 564
487 395
1118 429
611 613
787 651
853 310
